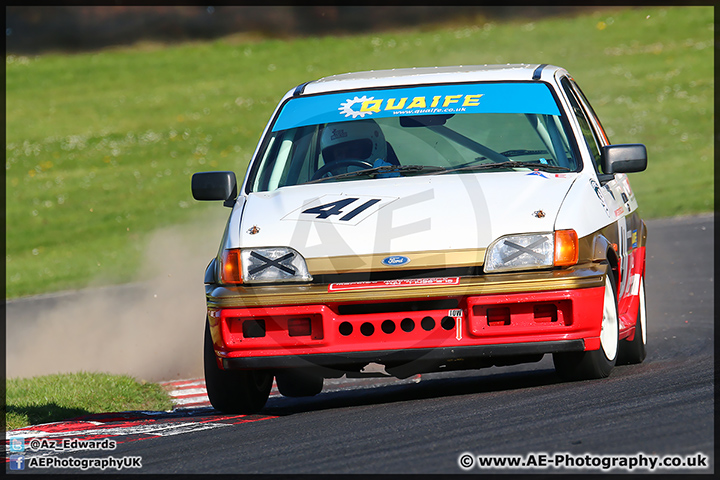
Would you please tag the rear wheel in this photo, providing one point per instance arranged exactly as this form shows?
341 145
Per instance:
633 351
595 363
298 383
234 391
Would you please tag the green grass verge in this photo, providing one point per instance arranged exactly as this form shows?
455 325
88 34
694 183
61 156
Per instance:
101 146
51 398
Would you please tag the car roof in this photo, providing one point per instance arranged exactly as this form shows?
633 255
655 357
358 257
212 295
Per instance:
427 75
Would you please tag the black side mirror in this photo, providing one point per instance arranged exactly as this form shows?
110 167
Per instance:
215 186
624 158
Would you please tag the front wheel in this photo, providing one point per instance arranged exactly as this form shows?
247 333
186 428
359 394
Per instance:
595 363
633 351
234 391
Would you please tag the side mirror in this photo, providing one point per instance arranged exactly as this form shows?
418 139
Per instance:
624 158
215 186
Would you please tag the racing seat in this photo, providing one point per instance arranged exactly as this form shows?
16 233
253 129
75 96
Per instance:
391 157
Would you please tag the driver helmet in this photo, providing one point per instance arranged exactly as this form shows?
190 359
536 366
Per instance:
355 140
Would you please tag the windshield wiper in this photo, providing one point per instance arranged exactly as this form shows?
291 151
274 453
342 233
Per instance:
510 164
384 169
522 151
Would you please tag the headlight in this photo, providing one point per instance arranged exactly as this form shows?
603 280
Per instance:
534 250
520 252
276 264
263 265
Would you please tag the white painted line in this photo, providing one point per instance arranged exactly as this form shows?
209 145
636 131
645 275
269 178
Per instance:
194 405
184 383
188 391
184 401
158 430
194 383
185 396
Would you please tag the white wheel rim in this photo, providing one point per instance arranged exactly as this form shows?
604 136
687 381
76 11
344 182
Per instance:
609 330
643 313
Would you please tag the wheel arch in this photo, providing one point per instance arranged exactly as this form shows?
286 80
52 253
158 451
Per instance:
211 276
614 262
643 243
603 251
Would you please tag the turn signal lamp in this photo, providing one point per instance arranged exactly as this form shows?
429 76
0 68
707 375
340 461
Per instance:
231 271
566 248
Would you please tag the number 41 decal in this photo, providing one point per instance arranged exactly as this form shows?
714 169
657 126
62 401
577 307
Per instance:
339 208
336 208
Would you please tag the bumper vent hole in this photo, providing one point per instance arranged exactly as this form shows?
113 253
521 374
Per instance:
346 328
427 323
407 325
388 326
367 329
545 313
253 328
447 323
498 316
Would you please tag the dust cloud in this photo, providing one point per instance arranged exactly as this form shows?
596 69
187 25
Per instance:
151 329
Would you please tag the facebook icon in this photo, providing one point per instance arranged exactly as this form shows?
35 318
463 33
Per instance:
17 462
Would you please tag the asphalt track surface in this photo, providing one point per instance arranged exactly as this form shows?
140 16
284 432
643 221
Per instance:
661 407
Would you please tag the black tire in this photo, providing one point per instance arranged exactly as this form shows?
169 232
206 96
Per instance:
633 351
234 391
298 383
598 363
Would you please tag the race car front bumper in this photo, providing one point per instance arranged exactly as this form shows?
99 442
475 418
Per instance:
479 317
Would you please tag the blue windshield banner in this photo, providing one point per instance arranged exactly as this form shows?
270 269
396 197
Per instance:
514 97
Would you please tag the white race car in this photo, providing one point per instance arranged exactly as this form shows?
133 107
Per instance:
424 220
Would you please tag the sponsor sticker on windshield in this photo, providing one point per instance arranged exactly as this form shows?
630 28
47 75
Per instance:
513 97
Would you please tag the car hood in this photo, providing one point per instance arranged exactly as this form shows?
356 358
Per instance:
432 214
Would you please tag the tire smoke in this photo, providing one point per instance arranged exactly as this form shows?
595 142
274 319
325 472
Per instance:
151 329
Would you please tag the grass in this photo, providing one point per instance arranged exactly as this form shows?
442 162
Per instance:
101 146
51 398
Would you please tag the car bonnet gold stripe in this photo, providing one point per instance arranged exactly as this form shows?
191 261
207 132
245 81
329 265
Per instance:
418 260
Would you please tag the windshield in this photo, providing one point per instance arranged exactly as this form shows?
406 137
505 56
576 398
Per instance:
428 130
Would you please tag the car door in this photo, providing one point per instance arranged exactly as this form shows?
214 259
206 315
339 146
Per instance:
616 188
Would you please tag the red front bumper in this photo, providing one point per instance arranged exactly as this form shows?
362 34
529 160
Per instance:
539 322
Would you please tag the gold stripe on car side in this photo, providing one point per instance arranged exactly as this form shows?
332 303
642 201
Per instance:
418 260
585 276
